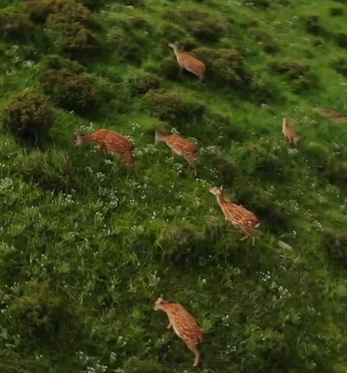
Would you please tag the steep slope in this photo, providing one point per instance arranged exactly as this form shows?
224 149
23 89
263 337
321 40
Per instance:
86 247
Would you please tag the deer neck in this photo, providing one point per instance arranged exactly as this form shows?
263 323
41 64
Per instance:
87 138
176 51
220 199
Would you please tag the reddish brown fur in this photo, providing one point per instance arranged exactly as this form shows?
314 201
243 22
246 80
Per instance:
237 215
113 142
189 63
181 147
290 133
184 325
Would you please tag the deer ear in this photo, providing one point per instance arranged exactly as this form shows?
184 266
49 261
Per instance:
221 187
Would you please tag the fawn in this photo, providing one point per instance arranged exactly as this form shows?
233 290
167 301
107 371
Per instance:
184 325
238 215
109 141
188 62
180 146
290 133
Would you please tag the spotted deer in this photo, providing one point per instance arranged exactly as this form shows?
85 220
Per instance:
184 325
290 133
238 215
180 146
188 62
109 141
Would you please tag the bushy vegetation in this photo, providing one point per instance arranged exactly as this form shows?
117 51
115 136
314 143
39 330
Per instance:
86 246
72 91
27 115
15 26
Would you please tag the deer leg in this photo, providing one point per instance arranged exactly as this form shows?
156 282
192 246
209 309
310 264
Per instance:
191 160
181 70
103 150
128 158
295 142
192 347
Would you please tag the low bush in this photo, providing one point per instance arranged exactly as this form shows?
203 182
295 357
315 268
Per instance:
258 3
37 312
266 41
169 68
84 44
15 26
336 11
169 106
340 65
226 65
52 171
178 243
341 39
313 25
264 207
69 10
57 62
169 32
202 25
297 73
141 82
336 246
71 91
135 365
28 116
140 23
124 46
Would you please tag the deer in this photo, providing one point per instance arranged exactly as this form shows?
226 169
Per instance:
188 62
237 215
184 325
109 141
290 133
179 146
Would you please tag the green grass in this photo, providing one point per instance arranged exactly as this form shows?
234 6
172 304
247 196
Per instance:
86 247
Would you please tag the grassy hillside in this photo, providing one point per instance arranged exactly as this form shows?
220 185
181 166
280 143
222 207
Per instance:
86 247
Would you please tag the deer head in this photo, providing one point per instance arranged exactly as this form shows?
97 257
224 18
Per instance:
217 191
158 305
78 139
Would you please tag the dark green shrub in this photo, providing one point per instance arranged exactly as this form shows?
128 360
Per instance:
169 106
313 25
135 365
124 46
340 65
169 32
262 90
264 207
84 44
15 26
204 26
27 115
37 312
226 65
77 92
258 3
134 3
141 82
57 62
53 171
140 23
169 68
336 246
69 10
178 243
297 73
337 11
265 40
341 40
